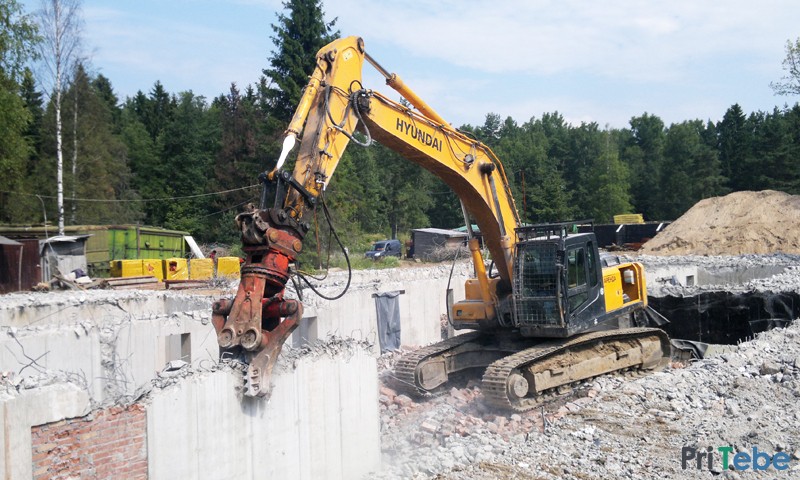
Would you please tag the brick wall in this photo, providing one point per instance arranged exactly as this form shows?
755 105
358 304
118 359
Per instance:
109 444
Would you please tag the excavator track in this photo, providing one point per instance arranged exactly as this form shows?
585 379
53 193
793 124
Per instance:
406 370
520 381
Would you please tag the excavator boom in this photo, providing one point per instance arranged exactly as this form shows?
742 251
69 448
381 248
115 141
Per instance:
506 310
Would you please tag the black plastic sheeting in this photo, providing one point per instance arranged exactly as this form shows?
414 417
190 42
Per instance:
620 234
724 317
388 309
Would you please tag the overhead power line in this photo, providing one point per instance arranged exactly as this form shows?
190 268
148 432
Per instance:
144 200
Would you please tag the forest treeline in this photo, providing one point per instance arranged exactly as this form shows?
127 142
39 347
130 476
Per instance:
181 161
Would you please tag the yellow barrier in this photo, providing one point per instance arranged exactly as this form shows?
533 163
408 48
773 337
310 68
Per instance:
126 268
628 218
228 267
201 269
154 267
176 269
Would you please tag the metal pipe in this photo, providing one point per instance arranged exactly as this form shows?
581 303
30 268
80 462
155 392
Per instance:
480 271
394 81
467 223
377 66
501 222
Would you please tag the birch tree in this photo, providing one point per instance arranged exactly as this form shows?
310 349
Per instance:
790 84
60 26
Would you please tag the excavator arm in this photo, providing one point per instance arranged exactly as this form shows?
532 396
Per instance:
334 104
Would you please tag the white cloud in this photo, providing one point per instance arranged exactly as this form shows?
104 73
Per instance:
591 61
645 40
183 53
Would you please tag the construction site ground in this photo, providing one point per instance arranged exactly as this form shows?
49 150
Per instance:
613 426
76 362
737 252
616 426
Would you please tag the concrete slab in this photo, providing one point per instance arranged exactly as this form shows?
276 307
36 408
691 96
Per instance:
321 423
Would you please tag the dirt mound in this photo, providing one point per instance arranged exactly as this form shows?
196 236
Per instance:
738 223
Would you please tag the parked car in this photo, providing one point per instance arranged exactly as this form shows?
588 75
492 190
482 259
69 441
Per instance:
384 248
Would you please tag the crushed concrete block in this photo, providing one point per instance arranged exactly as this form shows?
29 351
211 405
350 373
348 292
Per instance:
388 392
429 426
458 395
769 368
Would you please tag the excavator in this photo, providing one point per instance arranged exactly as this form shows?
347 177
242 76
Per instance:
548 312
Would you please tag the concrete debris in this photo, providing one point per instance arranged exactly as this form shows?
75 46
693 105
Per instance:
609 427
746 273
612 426
332 346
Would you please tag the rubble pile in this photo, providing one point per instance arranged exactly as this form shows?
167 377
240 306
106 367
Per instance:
612 426
735 224
331 346
787 278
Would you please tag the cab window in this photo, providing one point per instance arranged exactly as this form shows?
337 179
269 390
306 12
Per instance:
576 277
591 263
577 267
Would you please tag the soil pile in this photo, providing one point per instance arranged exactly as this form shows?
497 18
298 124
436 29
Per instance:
736 224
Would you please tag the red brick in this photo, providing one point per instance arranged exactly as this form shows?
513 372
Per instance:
105 444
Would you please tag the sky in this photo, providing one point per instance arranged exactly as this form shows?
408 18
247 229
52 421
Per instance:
591 61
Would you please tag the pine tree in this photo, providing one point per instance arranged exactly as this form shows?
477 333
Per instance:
33 102
298 36
644 155
190 144
733 148
239 159
101 171
17 45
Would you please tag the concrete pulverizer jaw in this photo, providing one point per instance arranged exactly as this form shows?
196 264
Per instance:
253 326
262 362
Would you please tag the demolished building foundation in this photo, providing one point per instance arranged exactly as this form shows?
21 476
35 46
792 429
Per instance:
105 383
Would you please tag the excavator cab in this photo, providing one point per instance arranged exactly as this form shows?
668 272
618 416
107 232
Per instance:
558 284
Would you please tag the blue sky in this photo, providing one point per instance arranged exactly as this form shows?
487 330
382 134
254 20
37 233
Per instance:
591 61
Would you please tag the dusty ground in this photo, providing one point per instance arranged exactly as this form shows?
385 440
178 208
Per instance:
616 426
738 223
612 426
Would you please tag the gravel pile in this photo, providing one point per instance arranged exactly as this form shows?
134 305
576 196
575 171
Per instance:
612 426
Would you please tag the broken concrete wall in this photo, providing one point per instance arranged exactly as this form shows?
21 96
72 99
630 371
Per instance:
114 342
321 422
21 310
685 275
19 411
422 303
110 443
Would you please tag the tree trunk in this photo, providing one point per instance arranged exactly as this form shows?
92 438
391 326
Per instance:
59 155
73 219
60 31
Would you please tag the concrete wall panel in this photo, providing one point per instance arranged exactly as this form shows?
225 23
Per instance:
199 429
421 308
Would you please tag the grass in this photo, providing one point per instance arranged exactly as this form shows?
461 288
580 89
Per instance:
359 262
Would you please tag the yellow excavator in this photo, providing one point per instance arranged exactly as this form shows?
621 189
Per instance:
553 313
